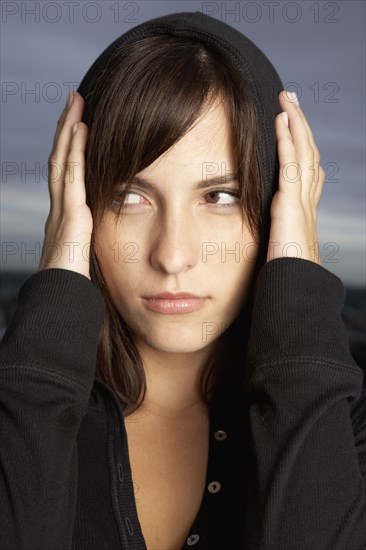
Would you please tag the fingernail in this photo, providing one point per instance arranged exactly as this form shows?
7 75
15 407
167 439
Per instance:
293 97
71 99
285 118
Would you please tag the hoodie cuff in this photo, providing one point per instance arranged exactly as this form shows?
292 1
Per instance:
297 315
56 325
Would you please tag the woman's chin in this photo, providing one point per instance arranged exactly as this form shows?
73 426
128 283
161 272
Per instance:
174 345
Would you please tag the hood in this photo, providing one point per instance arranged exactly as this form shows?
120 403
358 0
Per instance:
262 80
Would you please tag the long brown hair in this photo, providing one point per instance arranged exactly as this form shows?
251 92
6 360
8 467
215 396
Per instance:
148 97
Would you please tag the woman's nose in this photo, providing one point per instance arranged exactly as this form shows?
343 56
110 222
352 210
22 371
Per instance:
175 246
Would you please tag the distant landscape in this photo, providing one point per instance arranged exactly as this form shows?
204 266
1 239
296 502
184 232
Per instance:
353 313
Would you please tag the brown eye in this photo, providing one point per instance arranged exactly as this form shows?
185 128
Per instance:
213 196
223 198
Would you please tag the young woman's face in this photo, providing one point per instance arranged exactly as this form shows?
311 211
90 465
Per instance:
181 233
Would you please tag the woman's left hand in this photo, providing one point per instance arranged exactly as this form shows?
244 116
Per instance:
293 231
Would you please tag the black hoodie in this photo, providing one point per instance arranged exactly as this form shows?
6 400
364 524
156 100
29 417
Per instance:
287 463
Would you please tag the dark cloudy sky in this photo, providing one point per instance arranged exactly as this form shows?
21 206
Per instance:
318 49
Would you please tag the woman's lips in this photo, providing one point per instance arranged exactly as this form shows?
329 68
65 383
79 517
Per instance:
169 303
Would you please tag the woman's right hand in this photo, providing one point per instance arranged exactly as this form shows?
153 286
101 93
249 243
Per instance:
69 225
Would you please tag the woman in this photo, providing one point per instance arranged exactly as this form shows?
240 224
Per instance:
189 382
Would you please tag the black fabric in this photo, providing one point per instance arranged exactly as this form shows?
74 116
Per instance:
292 466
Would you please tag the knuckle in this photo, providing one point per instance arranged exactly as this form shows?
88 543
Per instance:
306 148
52 159
59 121
285 138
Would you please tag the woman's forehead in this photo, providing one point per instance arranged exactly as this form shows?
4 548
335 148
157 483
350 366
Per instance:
207 144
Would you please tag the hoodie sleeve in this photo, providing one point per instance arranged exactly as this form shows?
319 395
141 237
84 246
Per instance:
307 415
47 369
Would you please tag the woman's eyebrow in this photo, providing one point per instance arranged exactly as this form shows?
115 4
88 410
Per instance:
221 180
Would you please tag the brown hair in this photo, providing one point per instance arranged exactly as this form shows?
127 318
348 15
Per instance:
148 97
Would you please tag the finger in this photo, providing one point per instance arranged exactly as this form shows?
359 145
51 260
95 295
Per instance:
289 178
304 148
308 129
318 178
60 153
60 122
318 188
74 189
54 174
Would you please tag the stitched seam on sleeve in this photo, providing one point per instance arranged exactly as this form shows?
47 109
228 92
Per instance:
308 358
45 370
